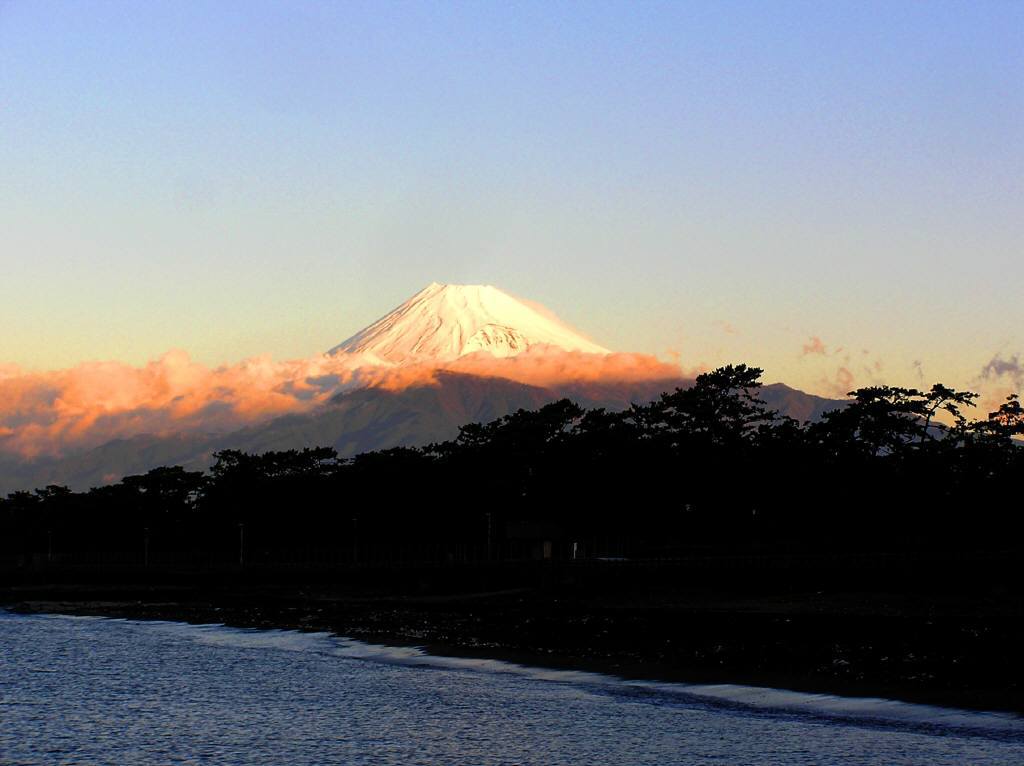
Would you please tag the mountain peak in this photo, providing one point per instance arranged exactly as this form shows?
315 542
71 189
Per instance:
443 322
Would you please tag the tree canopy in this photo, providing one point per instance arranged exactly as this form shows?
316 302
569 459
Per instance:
704 465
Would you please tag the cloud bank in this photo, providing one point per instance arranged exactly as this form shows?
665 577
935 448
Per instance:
55 412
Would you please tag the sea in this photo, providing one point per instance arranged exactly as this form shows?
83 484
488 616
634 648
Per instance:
85 690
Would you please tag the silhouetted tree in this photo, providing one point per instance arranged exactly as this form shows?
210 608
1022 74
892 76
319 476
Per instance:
709 464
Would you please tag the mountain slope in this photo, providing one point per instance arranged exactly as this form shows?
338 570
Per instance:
443 322
362 420
438 361
798 405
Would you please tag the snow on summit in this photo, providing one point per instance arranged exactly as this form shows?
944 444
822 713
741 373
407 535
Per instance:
445 322
472 351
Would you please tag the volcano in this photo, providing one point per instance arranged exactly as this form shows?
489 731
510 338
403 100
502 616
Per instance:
444 322
450 355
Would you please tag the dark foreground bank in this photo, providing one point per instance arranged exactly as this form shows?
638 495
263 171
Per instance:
920 644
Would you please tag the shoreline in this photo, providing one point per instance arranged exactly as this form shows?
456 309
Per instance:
545 633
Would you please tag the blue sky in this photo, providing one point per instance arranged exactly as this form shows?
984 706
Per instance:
720 180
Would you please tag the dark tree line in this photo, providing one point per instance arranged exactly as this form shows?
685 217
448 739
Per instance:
706 468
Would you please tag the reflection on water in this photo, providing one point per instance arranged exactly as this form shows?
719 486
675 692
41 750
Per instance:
94 691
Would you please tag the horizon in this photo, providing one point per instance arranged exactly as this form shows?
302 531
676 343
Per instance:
200 201
1001 373
671 351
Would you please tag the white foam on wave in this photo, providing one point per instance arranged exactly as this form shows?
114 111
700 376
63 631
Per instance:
851 708
766 699
854 709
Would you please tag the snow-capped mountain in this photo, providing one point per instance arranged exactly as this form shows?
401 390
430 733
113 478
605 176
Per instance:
438 361
445 322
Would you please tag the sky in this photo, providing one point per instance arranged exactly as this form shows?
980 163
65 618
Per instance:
831 191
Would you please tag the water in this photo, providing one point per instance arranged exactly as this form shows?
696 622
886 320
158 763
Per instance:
92 691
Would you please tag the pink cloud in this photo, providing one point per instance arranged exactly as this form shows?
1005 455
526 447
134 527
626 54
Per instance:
52 412
814 346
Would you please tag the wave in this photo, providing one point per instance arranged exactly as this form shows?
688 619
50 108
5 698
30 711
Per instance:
868 711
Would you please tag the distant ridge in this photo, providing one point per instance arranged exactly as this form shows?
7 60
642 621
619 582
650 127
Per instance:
360 420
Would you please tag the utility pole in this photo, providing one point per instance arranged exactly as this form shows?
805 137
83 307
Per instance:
241 545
